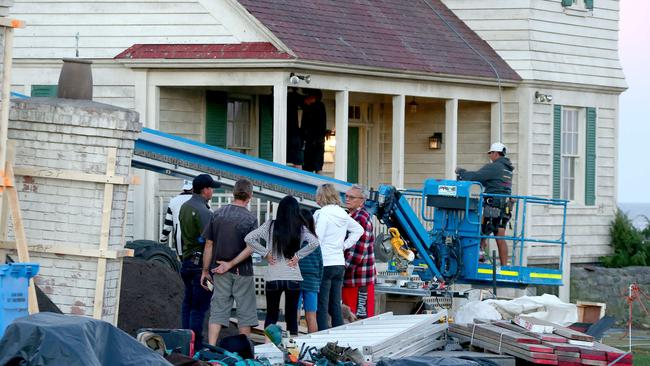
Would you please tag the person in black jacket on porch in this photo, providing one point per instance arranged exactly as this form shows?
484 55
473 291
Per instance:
313 127
496 178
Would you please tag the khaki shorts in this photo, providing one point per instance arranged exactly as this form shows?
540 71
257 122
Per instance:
229 287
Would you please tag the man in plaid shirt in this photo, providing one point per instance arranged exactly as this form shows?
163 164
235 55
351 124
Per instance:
359 281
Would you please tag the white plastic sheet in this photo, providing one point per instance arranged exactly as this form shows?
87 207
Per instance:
546 307
476 310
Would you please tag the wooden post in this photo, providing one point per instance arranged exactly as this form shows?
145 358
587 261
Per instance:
397 169
6 93
19 230
8 26
280 122
451 130
107 208
341 123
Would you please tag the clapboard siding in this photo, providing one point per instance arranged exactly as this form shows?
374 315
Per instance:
473 134
421 163
106 28
587 227
182 113
564 45
385 142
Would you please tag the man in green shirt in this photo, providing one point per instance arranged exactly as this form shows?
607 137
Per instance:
193 216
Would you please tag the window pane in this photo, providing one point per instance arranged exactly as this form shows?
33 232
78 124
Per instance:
570 135
572 143
239 125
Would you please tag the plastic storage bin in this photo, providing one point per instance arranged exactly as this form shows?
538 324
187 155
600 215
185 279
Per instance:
14 282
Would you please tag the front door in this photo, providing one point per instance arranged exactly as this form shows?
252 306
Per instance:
353 154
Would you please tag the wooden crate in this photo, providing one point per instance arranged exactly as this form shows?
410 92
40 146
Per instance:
590 312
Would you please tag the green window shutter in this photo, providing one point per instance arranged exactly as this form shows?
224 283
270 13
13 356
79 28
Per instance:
557 149
589 4
216 118
567 2
590 158
266 127
44 91
353 154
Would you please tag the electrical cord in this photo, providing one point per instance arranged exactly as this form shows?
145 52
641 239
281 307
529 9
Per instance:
451 27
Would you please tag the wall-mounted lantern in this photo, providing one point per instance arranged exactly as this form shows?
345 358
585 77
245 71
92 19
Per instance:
435 141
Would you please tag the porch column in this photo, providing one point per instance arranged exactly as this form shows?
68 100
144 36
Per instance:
564 291
341 151
451 130
147 104
280 122
397 176
495 123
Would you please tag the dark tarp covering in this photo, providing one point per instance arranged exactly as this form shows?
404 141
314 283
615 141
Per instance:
54 339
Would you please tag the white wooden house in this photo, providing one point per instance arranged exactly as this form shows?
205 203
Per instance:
542 76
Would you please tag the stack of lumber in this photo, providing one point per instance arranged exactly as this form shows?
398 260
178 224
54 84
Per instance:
384 336
561 346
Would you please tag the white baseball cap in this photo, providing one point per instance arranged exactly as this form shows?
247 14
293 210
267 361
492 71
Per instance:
498 147
187 185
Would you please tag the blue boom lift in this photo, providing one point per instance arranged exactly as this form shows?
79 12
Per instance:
447 253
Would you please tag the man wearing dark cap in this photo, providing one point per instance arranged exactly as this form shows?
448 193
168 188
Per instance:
224 242
193 218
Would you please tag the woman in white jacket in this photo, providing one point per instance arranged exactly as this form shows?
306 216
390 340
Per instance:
336 231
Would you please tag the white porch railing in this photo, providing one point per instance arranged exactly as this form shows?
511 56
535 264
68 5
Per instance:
263 209
416 204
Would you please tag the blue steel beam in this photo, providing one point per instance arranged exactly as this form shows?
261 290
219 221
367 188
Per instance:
178 156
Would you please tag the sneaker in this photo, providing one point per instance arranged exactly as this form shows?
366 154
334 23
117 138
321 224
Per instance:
481 258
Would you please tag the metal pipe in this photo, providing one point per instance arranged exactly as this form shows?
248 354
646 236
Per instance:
494 273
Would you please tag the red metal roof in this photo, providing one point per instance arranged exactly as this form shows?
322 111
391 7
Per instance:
413 35
246 50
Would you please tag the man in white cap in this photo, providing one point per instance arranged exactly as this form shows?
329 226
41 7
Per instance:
496 178
171 225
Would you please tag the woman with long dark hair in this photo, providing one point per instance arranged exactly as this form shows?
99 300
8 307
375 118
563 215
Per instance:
283 242
311 269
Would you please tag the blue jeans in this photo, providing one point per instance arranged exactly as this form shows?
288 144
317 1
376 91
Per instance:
196 301
329 297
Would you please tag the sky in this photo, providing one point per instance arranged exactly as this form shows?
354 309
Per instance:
634 115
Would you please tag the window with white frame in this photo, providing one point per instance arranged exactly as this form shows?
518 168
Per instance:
239 125
571 152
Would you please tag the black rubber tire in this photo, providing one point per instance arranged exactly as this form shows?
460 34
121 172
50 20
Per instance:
150 250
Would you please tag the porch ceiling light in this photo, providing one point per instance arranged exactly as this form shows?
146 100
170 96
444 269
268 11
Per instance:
413 105
435 141
294 79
